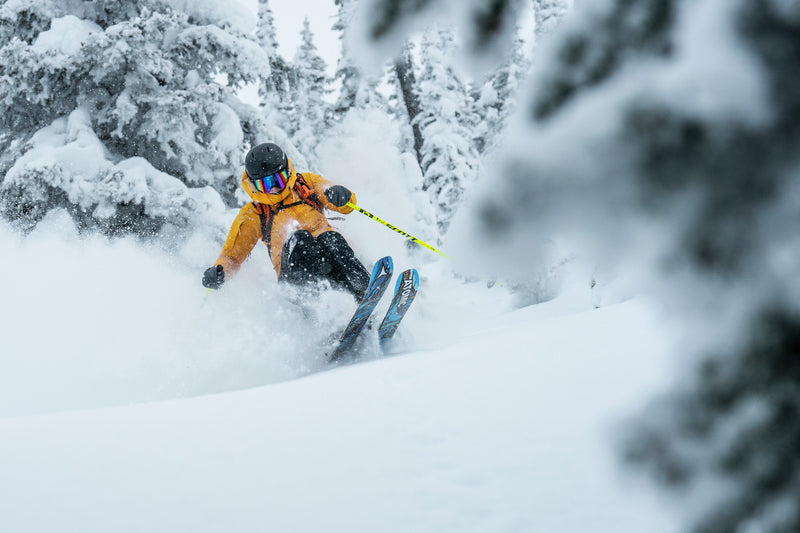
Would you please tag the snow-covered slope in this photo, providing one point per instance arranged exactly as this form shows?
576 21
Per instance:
508 428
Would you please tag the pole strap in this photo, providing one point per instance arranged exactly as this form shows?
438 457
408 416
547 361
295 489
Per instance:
394 228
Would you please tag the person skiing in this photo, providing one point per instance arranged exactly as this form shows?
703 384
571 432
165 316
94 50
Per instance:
287 214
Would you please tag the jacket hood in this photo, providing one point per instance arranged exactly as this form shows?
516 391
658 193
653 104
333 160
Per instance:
269 199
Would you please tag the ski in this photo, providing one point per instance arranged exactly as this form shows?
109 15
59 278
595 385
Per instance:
404 292
381 275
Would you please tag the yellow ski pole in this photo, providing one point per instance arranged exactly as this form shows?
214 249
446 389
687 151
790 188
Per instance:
398 230
205 298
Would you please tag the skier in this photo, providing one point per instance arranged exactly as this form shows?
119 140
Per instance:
287 215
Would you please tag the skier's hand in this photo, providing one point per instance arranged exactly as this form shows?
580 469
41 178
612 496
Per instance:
213 277
338 195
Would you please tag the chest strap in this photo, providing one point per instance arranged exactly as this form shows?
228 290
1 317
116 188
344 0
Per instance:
266 213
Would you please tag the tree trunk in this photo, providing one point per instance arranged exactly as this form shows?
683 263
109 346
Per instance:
404 68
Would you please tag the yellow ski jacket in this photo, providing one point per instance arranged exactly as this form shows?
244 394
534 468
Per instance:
288 213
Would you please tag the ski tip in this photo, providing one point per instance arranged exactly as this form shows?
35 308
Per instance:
410 275
384 265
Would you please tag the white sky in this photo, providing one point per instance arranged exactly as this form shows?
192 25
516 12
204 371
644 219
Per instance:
289 15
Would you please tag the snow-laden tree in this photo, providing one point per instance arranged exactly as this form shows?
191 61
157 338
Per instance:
448 157
355 90
310 114
548 14
275 85
664 136
347 73
495 99
265 29
107 105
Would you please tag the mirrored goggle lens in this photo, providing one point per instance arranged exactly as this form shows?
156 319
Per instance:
278 180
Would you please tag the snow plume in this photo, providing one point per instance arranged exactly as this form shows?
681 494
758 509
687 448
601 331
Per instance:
129 322
90 322
362 155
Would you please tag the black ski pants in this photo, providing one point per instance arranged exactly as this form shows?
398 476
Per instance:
306 260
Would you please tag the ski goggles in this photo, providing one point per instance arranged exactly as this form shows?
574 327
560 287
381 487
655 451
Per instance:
278 179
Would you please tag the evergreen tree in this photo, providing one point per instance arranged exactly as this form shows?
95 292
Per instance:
449 160
356 90
275 84
127 106
265 29
548 14
311 115
347 72
495 99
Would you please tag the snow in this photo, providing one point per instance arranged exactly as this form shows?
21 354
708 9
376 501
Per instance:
131 399
232 13
65 36
714 74
381 181
494 420
68 155
559 183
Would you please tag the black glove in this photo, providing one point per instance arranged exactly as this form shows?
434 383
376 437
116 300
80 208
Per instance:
213 277
338 195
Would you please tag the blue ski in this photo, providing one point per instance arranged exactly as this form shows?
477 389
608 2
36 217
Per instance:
404 292
381 275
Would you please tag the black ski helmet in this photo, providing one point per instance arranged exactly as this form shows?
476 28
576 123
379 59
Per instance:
265 159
